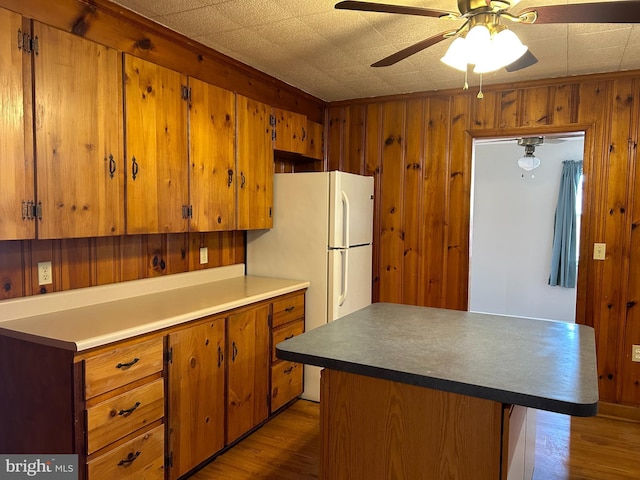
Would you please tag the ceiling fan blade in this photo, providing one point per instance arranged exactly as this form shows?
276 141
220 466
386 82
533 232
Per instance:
524 61
385 8
415 48
602 12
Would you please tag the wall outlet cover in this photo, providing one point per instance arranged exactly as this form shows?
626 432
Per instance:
204 255
635 353
44 273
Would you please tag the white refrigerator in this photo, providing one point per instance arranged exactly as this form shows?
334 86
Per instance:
322 232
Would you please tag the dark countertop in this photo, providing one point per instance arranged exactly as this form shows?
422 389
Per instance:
535 363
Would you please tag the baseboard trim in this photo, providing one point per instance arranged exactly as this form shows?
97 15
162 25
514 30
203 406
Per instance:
629 413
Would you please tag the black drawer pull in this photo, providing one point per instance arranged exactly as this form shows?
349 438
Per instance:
290 309
287 371
128 364
129 411
290 336
129 460
134 168
220 356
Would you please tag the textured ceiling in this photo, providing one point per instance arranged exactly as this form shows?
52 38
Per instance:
328 52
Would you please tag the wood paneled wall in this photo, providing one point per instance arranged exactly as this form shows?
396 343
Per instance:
419 148
86 262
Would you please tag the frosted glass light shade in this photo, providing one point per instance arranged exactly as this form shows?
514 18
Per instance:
478 44
505 49
528 162
485 51
456 56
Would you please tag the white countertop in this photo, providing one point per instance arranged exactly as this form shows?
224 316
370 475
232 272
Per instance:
91 317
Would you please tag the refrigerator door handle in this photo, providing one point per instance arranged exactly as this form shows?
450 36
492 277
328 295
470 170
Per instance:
346 212
344 276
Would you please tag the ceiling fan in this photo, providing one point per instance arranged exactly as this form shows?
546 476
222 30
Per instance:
484 41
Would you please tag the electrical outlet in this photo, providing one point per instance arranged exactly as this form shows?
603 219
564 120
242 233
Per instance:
204 255
599 251
635 353
44 273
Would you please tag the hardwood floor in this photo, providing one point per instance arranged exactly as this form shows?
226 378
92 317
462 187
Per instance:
567 448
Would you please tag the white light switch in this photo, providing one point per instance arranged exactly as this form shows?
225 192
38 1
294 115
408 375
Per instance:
204 255
635 350
599 251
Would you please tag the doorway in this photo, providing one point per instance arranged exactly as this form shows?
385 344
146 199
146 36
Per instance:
512 223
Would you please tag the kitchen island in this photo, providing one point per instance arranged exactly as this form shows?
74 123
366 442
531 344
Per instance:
424 393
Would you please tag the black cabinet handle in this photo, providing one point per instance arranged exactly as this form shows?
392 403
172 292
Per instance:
242 180
129 460
129 411
134 168
234 352
304 134
230 179
289 309
112 166
128 364
290 336
220 356
287 371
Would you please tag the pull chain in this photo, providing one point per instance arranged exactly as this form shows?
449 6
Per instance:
480 94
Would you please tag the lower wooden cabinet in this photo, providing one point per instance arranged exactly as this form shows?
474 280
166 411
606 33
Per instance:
196 394
287 322
153 407
247 370
139 459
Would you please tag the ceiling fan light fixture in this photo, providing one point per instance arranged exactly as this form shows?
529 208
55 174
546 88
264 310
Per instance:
528 162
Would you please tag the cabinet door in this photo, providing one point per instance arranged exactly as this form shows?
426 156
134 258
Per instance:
212 153
16 162
156 148
314 140
248 370
196 395
78 136
255 165
291 133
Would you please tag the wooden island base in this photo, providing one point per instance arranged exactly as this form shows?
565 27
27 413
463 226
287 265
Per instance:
375 428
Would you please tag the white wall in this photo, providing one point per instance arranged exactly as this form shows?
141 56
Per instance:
512 232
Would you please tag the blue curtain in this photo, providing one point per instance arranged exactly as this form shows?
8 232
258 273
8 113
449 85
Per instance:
564 266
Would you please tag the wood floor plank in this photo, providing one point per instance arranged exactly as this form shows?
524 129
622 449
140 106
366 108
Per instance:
567 448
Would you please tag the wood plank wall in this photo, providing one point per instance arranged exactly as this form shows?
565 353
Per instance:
419 149
87 262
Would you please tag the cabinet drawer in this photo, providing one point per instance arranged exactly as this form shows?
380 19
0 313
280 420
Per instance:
139 459
119 416
117 367
286 383
283 333
287 309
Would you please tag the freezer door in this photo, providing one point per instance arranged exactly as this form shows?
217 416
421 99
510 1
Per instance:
349 280
350 210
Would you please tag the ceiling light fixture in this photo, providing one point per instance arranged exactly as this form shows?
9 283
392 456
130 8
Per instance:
487 46
529 161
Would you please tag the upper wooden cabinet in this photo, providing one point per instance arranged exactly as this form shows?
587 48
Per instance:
255 164
156 148
290 131
315 140
16 161
212 152
295 133
78 136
